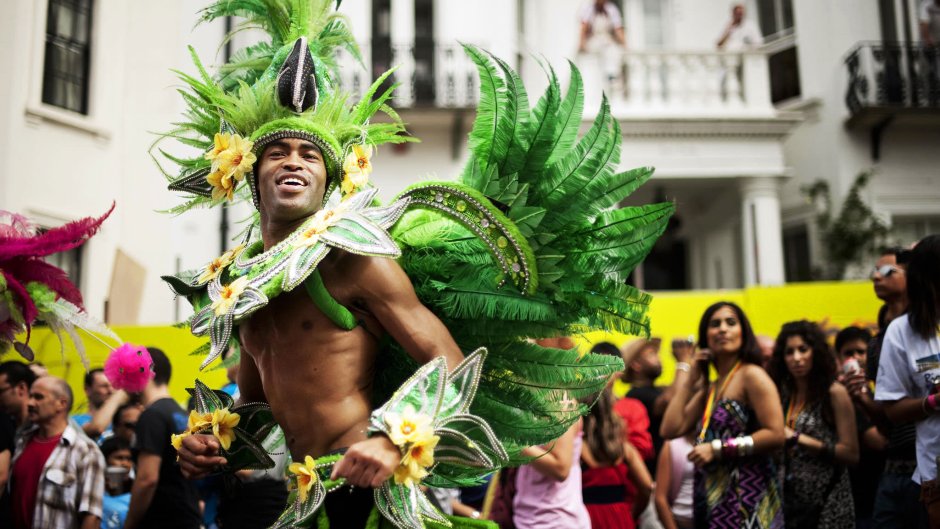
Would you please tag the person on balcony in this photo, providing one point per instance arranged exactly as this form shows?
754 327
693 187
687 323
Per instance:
929 19
741 33
602 36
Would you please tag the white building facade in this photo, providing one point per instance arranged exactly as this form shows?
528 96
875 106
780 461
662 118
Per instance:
733 135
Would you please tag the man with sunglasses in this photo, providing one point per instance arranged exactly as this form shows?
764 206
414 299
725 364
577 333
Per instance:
897 498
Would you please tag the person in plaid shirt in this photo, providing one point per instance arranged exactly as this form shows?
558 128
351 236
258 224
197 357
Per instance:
58 472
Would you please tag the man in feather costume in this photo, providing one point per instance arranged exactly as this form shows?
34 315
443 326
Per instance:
405 358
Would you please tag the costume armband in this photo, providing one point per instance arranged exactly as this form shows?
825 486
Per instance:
246 433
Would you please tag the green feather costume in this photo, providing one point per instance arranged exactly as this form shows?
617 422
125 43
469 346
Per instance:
528 242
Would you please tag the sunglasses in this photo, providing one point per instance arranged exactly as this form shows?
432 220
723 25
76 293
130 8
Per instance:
885 271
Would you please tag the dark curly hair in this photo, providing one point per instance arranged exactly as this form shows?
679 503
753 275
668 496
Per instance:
750 349
821 375
923 287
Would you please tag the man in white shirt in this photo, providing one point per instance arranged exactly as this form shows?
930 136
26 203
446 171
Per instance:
929 18
741 33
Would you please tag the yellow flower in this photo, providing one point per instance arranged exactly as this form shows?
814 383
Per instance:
409 427
322 220
356 168
222 185
415 462
177 440
306 473
223 426
229 295
222 140
215 267
198 421
236 160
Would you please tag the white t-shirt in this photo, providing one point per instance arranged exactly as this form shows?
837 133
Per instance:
910 367
744 36
930 15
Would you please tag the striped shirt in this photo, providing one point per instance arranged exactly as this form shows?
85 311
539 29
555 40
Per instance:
72 480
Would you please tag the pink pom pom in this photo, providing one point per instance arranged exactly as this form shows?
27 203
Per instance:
129 367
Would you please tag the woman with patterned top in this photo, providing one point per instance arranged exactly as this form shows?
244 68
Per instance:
738 422
820 430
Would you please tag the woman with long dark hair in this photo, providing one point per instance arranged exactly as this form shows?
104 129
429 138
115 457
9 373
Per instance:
909 369
820 429
737 420
615 482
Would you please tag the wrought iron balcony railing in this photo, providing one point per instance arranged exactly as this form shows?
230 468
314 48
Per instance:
892 74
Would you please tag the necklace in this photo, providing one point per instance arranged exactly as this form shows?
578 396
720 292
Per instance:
713 398
47 440
793 412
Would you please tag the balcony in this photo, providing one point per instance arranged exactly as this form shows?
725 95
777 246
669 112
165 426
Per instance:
891 81
658 85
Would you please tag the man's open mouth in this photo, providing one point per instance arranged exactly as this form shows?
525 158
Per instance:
292 180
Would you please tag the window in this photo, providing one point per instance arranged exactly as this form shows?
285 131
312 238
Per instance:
907 230
796 255
68 55
777 25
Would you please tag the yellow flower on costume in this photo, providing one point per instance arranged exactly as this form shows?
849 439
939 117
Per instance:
198 421
217 265
177 440
356 169
409 427
306 473
322 220
229 295
223 426
415 462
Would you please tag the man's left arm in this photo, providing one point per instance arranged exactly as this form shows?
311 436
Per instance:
148 476
392 300
390 297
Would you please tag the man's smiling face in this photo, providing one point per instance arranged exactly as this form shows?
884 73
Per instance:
291 180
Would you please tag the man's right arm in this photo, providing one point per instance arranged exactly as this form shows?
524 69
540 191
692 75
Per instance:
199 454
148 476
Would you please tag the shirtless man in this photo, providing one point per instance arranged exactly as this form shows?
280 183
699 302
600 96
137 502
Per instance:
317 377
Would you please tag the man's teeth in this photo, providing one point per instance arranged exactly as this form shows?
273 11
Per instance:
292 182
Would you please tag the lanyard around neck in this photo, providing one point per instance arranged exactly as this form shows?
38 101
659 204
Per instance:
713 398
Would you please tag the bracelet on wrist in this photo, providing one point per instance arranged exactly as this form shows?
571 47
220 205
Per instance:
793 440
683 366
716 449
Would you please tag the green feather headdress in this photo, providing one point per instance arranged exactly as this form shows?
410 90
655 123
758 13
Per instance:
282 87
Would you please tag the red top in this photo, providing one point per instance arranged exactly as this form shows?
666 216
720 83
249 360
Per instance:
608 495
637 425
27 471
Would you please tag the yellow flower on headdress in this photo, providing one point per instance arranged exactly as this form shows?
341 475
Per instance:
223 426
217 265
221 143
231 158
356 169
306 473
229 295
222 185
237 159
409 427
415 462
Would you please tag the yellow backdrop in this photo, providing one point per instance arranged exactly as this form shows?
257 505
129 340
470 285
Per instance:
673 314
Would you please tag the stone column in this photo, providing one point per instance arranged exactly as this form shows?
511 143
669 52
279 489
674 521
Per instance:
762 234
403 41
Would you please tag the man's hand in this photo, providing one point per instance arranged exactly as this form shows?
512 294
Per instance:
682 350
199 456
368 463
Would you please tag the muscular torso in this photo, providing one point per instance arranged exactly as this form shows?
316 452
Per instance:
316 376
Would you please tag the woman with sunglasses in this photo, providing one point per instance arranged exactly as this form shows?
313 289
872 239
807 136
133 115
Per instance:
737 421
909 371
820 429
